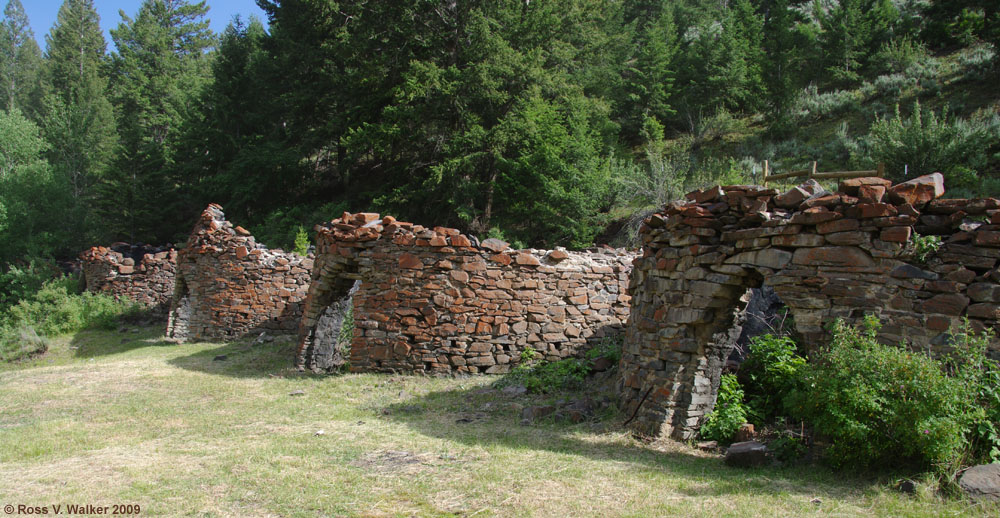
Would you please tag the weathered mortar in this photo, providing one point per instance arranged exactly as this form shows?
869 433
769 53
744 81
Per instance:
150 282
434 300
827 256
228 285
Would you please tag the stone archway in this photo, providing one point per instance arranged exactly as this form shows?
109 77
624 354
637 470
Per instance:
331 297
827 255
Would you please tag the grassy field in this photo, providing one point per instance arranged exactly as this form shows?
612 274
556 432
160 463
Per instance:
109 418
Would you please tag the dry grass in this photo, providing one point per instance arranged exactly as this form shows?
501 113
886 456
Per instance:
106 418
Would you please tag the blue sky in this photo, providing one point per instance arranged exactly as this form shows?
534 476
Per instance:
42 14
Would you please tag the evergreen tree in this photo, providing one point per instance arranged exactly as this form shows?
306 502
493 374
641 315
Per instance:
463 113
78 119
233 144
20 58
781 61
649 75
852 30
721 63
159 68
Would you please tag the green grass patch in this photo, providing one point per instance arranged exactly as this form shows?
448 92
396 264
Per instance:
124 417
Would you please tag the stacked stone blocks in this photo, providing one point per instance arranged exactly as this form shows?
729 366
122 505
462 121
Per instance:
434 300
150 282
228 285
827 255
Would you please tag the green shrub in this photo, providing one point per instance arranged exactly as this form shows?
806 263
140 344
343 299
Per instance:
980 375
542 376
56 309
787 448
898 55
812 106
771 371
885 406
347 327
926 142
729 414
20 282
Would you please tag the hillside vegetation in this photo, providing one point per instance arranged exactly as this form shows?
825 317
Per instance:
539 122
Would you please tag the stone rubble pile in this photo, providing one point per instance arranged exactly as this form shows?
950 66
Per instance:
228 285
435 300
827 255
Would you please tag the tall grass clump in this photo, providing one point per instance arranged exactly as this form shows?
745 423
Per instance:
55 309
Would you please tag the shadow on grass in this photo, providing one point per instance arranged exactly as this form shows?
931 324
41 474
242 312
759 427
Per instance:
244 359
458 415
92 343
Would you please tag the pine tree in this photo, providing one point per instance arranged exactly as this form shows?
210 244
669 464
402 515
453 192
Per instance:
20 59
852 30
780 62
78 121
160 66
648 77
232 147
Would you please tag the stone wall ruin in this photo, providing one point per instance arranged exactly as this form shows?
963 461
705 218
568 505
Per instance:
142 274
826 255
436 301
229 286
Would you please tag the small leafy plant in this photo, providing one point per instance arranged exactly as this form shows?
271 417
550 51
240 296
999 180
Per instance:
729 414
923 247
772 370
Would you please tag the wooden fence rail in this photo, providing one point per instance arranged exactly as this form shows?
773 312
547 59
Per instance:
813 173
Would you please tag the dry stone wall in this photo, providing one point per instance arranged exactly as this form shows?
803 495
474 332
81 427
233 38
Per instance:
115 271
827 255
228 285
434 300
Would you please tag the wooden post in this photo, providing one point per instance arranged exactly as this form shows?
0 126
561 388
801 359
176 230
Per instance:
812 172
881 170
766 171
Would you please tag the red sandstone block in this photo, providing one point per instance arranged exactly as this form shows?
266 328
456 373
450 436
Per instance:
460 240
853 185
438 240
938 323
695 211
875 210
410 261
474 266
363 218
558 255
946 304
526 259
871 193
918 191
896 234
840 225
987 238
